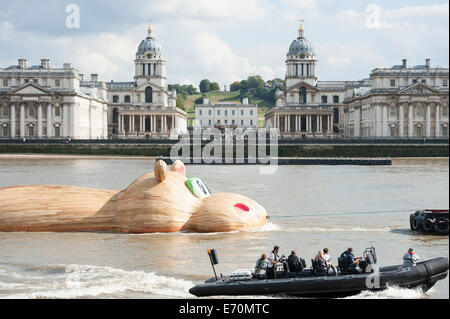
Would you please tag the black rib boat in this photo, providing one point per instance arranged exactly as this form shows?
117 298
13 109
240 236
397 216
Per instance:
424 275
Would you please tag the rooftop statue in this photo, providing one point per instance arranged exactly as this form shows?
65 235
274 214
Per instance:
162 201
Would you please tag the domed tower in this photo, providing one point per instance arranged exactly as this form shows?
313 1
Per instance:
150 62
301 61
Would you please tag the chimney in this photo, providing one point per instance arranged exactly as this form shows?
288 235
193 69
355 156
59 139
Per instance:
67 66
23 63
81 77
94 77
245 101
45 63
404 63
205 100
427 63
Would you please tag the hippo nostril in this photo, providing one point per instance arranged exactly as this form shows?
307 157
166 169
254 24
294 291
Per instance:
242 207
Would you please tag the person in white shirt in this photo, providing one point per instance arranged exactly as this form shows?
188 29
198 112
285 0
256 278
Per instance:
273 261
327 258
410 259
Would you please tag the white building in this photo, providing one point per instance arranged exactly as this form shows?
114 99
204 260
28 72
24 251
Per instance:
145 108
402 101
41 101
308 107
226 114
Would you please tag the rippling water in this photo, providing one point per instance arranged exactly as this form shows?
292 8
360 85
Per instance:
311 207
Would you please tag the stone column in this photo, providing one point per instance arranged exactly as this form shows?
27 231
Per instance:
13 120
72 120
22 120
438 120
129 123
385 120
357 126
308 124
428 121
410 120
66 120
49 120
400 120
39 119
378 131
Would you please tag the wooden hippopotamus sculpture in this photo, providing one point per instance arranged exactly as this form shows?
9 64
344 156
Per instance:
163 201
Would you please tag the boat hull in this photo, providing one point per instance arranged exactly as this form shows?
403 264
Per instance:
424 275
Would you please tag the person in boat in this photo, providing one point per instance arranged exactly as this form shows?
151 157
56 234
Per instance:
273 261
261 267
294 263
320 266
410 259
350 261
330 266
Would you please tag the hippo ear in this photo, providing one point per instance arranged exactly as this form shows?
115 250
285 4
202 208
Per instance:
160 170
178 166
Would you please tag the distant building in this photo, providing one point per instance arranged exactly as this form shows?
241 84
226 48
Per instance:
145 108
226 114
41 101
402 101
307 107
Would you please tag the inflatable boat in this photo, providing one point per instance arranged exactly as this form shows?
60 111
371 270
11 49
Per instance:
435 221
306 284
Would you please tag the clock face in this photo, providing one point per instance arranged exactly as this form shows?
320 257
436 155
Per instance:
302 56
149 56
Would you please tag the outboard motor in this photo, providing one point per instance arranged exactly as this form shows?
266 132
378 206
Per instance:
370 256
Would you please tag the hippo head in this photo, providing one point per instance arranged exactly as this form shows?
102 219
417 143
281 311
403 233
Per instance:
166 201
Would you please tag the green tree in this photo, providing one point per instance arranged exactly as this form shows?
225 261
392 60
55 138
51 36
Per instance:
235 86
180 101
205 86
214 86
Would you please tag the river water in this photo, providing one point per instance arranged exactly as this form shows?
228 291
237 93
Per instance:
311 207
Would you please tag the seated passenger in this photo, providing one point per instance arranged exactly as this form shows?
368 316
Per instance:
320 263
410 259
261 267
362 266
350 261
294 263
330 266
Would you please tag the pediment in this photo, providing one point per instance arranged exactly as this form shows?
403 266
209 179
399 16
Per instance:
302 84
418 88
30 89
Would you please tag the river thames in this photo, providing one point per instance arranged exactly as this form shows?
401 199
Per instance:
311 207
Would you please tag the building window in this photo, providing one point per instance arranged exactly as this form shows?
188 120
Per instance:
226 122
419 110
57 111
424 81
226 112
218 112
445 110
31 131
115 115
30 111
233 121
445 131
392 83
27 80
393 111
127 99
324 99
57 131
5 131
419 131
251 112
209 122
209 112
242 112
200 112
242 122
148 94
232 112
444 83
336 99
5 82
5 111
415 81
251 122
115 99
35 81
57 83
393 131
218 121
302 94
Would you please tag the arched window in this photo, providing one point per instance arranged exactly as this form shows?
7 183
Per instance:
148 94
302 93
115 115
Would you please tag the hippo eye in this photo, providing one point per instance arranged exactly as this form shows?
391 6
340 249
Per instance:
197 187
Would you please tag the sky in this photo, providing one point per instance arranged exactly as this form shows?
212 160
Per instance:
225 40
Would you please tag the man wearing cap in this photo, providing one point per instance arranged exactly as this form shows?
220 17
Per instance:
410 259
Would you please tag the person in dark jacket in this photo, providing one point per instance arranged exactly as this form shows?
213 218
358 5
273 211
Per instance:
350 261
294 263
